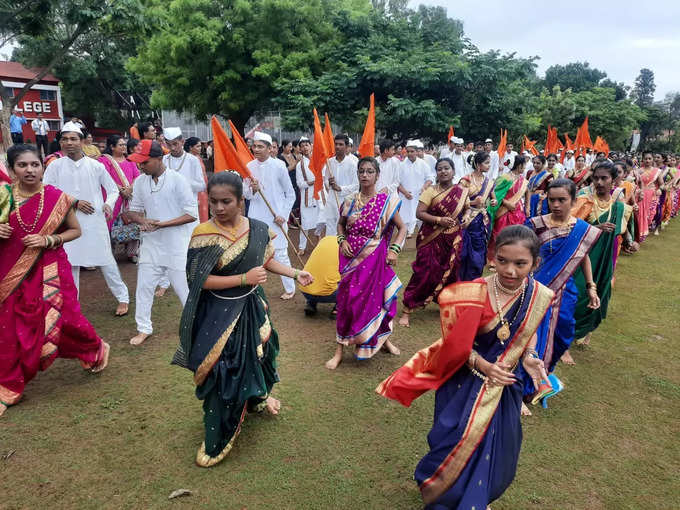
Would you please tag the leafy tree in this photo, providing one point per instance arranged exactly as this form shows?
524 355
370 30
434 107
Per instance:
643 92
620 88
576 76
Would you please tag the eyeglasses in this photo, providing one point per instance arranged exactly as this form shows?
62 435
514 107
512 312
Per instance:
362 171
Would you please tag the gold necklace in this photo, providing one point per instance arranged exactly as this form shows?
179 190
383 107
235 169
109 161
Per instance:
38 214
555 224
231 230
503 332
362 200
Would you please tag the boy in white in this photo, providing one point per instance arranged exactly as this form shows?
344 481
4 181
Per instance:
83 178
310 207
495 163
271 177
459 158
414 177
344 180
388 180
170 208
508 159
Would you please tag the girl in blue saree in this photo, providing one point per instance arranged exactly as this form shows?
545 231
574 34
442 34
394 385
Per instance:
226 336
488 330
536 202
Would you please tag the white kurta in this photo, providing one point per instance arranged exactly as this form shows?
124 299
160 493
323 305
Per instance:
495 165
189 167
167 199
461 167
412 177
345 173
431 162
84 180
272 176
445 153
309 206
389 174
508 158
569 164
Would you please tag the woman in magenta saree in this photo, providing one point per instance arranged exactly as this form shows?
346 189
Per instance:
438 244
476 436
367 293
650 178
40 316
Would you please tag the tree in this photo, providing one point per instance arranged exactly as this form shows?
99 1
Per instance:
620 88
576 76
643 92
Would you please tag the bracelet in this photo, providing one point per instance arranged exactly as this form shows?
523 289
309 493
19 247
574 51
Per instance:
472 359
48 242
591 285
243 279
60 240
530 353
341 239
296 274
395 248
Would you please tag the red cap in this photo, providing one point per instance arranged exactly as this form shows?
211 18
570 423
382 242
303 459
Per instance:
146 149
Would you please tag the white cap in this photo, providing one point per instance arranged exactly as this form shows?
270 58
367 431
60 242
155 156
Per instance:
259 136
455 139
172 133
71 127
351 142
488 140
303 139
415 143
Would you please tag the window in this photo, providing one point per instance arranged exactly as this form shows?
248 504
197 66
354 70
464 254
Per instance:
48 95
54 125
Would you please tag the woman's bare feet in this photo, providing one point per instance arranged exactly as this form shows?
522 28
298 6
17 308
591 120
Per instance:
103 363
121 310
525 410
273 406
404 319
3 408
160 291
567 359
139 338
333 363
391 348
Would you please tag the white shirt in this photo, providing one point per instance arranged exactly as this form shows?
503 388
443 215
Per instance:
345 173
275 185
569 163
432 162
40 127
493 170
84 180
389 174
188 166
309 206
460 163
510 158
412 177
445 152
167 199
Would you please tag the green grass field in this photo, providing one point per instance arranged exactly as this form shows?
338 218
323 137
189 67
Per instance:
127 438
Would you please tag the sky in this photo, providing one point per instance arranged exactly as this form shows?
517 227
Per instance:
619 37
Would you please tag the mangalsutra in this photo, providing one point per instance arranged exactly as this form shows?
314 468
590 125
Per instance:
503 332
38 214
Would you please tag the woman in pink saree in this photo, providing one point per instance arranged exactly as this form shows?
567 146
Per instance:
650 178
367 293
40 316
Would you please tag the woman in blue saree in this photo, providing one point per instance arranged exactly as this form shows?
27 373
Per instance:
488 330
226 336
536 202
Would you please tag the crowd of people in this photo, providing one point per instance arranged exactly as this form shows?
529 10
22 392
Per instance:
519 251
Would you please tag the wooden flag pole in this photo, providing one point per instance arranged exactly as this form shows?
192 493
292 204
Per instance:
298 225
330 174
271 210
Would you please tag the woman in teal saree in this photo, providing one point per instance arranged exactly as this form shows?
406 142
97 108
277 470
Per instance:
226 336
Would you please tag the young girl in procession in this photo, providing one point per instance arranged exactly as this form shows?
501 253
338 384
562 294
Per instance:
40 316
476 222
226 335
367 293
509 191
597 206
438 243
651 181
488 331
535 201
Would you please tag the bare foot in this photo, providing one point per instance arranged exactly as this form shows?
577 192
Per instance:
404 320
333 363
103 363
3 408
273 406
121 310
287 295
139 338
656 232
393 349
525 410
567 359
409 236
301 253
160 291
586 339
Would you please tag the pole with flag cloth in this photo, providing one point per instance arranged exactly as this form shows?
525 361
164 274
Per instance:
328 137
502 145
367 145
321 152
450 135
240 143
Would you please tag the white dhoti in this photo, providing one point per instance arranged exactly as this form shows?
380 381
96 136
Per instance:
113 280
148 276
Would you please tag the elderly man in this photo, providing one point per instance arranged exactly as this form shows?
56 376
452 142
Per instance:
414 176
271 180
83 178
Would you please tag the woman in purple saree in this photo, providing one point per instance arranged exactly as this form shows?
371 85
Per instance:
367 293
439 241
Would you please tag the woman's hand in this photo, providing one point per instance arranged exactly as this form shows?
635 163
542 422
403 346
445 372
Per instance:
447 222
85 207
477 202
5 230
536 370
607 227
304 278
34 241
494 202
256 276
498 374
593 299
391 258
108 213
346 249
126 192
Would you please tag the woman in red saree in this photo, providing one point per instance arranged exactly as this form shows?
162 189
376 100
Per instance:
581 173
438 244
40 316
650 178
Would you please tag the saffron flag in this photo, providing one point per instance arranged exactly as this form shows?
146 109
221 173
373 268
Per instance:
530 146
328 136
240 144
225 155
451 135
319 156
601 146
585 141
367 145
568 147
502 145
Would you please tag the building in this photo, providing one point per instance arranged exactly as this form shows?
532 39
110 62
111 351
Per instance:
43 97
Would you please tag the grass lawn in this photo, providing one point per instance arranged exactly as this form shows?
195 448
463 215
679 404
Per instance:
127 438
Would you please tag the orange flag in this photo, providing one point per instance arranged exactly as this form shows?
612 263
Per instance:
502 145
319 156
367 145
569 147
450 134
585 136
599 145
328 136
530 146
605 147
225 155
240 143
556 140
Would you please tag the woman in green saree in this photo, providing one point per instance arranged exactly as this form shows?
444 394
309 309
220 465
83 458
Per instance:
226 336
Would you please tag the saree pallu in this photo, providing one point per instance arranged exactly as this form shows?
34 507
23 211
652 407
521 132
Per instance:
602 262
500 216
676 202
562 251
40 316
367 292
476 232
476 436
226 337
123 174
538 203
438 250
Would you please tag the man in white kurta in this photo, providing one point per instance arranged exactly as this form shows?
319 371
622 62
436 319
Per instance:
341 181
270 177
170 209
414 177
310 207
495 163
83 178
459 158
508 159
569 161
388 180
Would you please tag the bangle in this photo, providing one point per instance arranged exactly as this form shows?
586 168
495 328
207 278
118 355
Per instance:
296 274
60 240
243 279
530 353
472 359
395 248
591 285
341 239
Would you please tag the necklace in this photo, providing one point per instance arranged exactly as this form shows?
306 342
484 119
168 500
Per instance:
231 230
552 224
38 214
161 180
362 200
503 332
180 163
